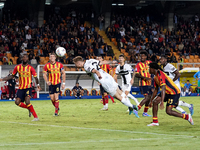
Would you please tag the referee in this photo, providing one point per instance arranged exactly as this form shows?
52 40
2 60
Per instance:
11 86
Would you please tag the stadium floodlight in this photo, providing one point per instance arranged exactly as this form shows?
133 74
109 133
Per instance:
120 4
113 4
74 0
47 3
1 4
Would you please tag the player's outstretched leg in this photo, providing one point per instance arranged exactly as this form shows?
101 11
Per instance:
132 97
187 117
145 101
190 106
121 96
181 110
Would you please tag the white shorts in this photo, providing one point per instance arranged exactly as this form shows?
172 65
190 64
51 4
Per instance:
126 87
109 84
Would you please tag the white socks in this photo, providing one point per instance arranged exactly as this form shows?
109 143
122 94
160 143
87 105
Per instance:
180 109
106 106
135 99
182 103
126 100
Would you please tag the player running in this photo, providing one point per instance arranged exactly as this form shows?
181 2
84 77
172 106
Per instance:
173 73
170 93
142 72
197 76
125 70
108 83
24 92
106 68
54 69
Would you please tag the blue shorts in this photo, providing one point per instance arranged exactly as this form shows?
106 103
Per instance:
54 89
22 93
146 90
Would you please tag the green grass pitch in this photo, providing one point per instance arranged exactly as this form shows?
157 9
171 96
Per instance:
81 125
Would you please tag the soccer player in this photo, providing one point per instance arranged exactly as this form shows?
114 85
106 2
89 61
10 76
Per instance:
173 73
125 70
170 93
108 83
106 68
197 76
54 69
142 72
24 92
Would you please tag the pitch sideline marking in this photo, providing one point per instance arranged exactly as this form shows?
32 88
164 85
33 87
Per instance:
89 141
98 129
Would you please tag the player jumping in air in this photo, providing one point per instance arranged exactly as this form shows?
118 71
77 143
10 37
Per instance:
106 68
125 70
24 92
108 83
197 76
54 69
173 73
170 93
142 72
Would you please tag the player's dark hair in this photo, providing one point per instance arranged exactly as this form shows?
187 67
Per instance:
121 55
144 52
164 56
154 65
77 58
188 80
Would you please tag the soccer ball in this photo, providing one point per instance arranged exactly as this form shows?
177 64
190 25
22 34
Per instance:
61 51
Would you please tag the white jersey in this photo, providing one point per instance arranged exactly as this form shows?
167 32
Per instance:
107 80
125 72
169 69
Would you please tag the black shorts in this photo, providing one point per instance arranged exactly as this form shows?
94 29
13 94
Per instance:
172 100
54 89
22 93
146 90
102 91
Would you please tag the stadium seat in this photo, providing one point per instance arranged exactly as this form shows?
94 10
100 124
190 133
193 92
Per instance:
190 66
196 56
1 63
191 57
9 55
66 68
195 60
185 66
190 60
73 69
186 60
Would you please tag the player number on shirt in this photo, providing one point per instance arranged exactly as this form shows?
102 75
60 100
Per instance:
170 101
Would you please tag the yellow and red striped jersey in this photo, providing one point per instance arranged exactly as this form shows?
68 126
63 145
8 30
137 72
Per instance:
105 67
143 70
54 71
25 75
112 71
162 79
